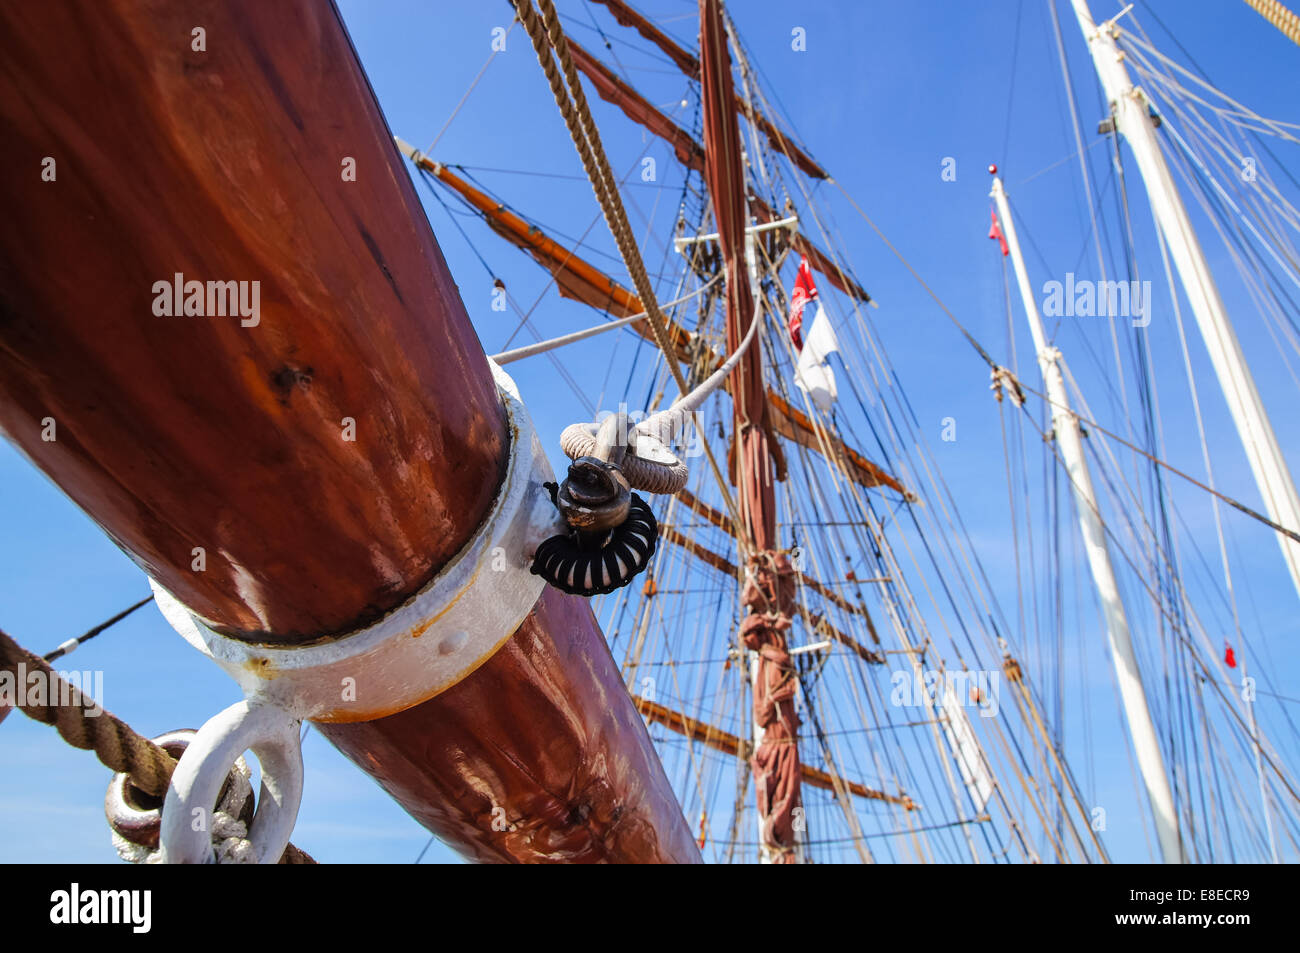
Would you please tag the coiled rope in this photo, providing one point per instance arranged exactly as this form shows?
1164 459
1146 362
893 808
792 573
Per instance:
612 532
656 433
82 723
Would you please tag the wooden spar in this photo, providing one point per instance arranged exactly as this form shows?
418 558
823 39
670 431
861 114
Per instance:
818 260
195 442
724 741
691 154
578 279
685 61
544 741
637 108
184 432
689 64
817 622
719 519
768 592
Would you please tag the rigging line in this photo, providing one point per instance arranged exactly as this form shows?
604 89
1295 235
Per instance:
941 488
1169 571
71 644
563 372
1274 127
782 113
465 98
1227 572
426 179
1011 90
578 244
1176 92
1105 474
903 600
427 845
906 264
553 55
550 45
899 629
1060 162
1078 134
544 175
1290 534
672 71
622 42
1187 150
859 210
1193 655
1265 203
506 357
1263 285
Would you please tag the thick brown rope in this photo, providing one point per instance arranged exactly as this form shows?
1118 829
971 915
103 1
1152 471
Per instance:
110 738
586 138
1279 16
577 117
113 741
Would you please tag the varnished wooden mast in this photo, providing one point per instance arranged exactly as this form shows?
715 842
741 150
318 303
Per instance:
768 593
577 278
714 737
293 475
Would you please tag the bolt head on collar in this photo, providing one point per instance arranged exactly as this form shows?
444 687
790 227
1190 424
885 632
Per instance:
595 496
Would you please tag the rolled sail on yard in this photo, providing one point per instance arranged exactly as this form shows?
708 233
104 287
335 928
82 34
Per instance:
296 470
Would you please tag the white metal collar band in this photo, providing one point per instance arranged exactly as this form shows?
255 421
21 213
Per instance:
435 639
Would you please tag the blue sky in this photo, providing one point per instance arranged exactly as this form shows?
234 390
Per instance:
883 93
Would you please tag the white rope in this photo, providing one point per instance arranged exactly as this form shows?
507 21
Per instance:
518 353
230 842
650 464
667 424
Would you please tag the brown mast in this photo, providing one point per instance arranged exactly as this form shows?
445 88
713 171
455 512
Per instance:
292 472
769 591
578 279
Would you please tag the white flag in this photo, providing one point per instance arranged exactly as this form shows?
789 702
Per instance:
813 375
965 749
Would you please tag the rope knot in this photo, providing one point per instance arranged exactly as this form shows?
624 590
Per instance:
1003 379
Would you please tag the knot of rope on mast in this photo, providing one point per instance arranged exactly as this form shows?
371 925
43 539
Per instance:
1003 381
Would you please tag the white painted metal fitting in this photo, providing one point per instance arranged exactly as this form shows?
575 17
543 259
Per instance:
432 641
270 733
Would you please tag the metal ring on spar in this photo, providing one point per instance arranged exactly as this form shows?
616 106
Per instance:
270 733
432 641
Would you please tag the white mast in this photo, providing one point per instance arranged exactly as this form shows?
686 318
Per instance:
1133 120
1066 427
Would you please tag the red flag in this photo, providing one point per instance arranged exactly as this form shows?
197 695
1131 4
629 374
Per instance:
1229 659
804 291
995 231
